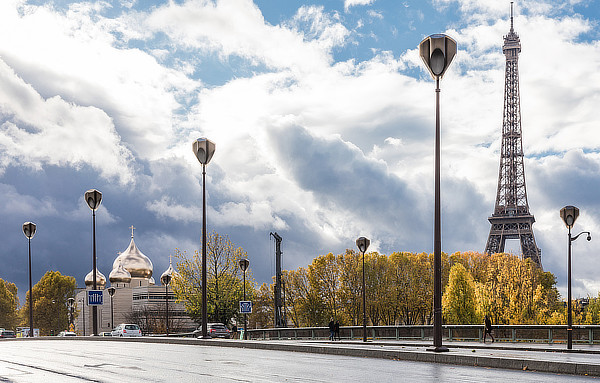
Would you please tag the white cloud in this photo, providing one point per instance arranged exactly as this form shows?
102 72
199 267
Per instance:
353 3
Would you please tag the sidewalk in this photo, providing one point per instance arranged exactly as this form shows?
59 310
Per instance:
554 358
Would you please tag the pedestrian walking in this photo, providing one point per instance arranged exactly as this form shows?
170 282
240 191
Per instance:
331 330
336 331
488 329
234 332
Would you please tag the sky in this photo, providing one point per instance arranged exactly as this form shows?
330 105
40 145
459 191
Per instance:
323 118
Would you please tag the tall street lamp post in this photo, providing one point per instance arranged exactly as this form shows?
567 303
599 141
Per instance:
111 291
166 279
437 52
569 215
363 244
244 266
70 303
93 198
203 150
82 301
29 231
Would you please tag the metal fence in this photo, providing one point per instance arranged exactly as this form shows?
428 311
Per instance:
589 334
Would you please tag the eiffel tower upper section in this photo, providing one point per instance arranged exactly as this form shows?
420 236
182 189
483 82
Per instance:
511 218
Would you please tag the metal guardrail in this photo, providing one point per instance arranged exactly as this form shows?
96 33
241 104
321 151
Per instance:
582 334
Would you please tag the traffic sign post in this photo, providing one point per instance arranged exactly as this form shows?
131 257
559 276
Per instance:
245 307
95 297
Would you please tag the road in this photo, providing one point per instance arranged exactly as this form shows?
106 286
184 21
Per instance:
67 360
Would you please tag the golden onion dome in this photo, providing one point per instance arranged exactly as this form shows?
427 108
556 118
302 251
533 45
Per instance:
100 279
119 275
135 262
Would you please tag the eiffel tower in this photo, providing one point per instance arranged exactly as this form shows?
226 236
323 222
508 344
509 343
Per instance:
511 218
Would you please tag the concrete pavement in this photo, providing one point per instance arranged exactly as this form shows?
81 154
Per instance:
553 358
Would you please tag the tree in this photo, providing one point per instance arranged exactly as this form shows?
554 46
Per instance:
50 295
9 302
459 301
224 280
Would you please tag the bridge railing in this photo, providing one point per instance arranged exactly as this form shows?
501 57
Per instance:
583 334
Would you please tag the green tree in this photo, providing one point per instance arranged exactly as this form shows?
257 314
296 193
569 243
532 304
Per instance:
459 301
50 295
9 303
224 280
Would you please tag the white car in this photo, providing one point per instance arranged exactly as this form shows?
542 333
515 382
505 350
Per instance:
126 329
67 333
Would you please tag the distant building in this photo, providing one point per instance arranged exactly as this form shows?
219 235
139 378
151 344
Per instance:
136 299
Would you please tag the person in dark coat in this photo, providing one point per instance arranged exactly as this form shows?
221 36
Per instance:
234 332
336 330
331 330
488 329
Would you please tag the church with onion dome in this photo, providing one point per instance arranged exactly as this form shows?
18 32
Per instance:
135 297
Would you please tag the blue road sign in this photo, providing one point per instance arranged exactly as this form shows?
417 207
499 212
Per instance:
245 307
95 298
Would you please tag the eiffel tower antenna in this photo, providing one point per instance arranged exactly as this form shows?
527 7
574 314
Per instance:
511 218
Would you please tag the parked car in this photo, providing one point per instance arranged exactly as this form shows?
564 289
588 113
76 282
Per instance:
218 330
127 329
67 333
105 333
7 334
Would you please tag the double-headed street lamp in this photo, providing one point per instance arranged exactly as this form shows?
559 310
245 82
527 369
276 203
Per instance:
569 215
29 231
93 198
363 244
203 150
111 291
70 303
244 263
437 52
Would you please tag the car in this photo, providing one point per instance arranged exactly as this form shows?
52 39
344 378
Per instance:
7 334
218 330
67 333
105 333
126 329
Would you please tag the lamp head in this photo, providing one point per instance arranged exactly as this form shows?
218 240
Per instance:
111 291
203 150
166 279
29 229
589 237
244 264
437 52
71 301
363 244
569 215
93 198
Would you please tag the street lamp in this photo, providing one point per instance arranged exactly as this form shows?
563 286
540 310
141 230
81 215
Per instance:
244 266
83 311
204 150
165 279
70 303
29 231
111 291
569 215
437 52
93 198
363 244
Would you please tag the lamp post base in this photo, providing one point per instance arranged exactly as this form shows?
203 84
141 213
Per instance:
439 349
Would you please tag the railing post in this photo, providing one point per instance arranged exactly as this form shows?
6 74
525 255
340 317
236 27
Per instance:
550 338
373 332
397 333
480 336
449 334
422 333
514 334
591 335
